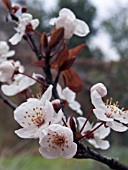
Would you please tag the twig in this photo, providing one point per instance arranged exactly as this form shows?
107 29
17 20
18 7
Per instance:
84 152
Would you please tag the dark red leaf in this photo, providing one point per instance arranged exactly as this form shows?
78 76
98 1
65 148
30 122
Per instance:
67 64
60 59
75 51
56 37
72 124
7 4
72 80
44 40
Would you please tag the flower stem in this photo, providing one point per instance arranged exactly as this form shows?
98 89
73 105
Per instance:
87 134
89 115
30 77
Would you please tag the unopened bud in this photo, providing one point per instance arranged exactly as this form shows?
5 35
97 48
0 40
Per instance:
57 105
24 9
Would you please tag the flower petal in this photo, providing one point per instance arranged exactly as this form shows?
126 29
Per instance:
47 95
76 107
100 114
9 53
27 132
17 87
9 90
35 23
49 111
27 111
60 92
81 121
67 13
98 143
119 127
97 100
69 95
81 28
58 117
53 21
100 88
48 153
70 151
102 131
15 39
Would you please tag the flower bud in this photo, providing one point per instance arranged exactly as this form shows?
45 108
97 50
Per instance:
56 105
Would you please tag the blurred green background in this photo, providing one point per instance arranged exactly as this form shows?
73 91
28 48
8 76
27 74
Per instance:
105 59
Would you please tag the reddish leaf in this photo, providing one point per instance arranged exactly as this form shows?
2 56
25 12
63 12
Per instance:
39 63
67 64
56 37
72 80
72 124
44 40
60 59
7 4
75 51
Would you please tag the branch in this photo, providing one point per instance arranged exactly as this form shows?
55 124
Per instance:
47 68
84 152
35 48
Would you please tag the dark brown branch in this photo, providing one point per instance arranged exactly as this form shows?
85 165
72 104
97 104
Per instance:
35 48
84 152
47 70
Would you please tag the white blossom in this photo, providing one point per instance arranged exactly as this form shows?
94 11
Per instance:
7 70
24 20
71 24
95 138
57 141
4 51
109 113
20 84
36 114
69 96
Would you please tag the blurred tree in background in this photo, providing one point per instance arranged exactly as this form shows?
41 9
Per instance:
117 27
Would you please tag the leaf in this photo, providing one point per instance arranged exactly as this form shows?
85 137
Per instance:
39 63
56 37
44 40
72 124
72 80
75 51
60 59
7 4
67 64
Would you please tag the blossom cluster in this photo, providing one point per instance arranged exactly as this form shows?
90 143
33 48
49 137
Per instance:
44 117
12 82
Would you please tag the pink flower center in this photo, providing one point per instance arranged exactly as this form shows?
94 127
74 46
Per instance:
37 118
56 140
